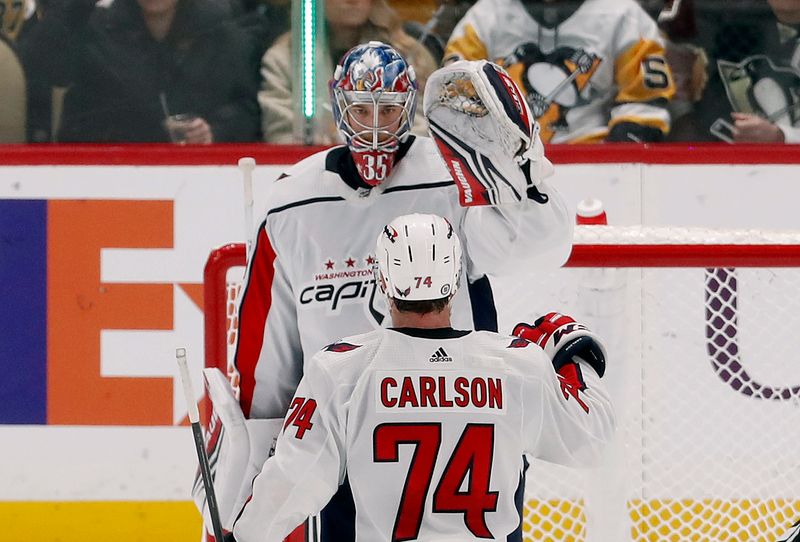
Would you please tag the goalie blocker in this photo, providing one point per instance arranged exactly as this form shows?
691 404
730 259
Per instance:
486 134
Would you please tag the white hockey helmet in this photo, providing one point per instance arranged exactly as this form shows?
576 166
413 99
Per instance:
418 258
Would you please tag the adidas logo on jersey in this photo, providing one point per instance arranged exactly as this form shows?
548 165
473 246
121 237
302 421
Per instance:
440 356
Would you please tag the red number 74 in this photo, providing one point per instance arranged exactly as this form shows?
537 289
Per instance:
472 457
301 411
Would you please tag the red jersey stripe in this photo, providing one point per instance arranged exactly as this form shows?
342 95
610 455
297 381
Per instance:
255 305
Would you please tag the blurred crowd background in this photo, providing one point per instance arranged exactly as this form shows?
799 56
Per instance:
213 71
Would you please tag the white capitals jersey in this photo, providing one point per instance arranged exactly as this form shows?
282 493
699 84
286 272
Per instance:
430 427
601 66
309 279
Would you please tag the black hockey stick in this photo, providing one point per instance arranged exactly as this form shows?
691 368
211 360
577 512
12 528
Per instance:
199 443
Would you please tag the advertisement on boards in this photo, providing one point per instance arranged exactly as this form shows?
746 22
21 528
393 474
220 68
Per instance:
101 267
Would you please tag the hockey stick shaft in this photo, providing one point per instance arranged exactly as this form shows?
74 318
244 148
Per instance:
246 166
199 442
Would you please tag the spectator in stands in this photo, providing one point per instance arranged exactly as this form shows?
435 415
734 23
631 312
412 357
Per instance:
754 75
134 63
262 22
769 112
593 71
431 22
688 62
13 14
349 22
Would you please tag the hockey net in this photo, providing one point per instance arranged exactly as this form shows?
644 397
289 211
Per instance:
702 328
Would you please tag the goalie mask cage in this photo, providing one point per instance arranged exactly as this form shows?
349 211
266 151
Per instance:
703 333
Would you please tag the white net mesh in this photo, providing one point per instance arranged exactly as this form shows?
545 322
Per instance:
233 287
704 372
701 453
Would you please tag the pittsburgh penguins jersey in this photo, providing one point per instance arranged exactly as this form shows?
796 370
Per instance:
430 428
597 74
309 278
766 84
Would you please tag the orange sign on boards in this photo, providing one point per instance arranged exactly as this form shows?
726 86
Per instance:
80 306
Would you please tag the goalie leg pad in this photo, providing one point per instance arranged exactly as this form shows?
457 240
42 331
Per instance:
563 340
237 449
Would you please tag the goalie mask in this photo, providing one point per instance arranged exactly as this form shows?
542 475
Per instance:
418 258
373 94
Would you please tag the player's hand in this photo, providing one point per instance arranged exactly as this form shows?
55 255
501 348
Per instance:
755 129
198 132
562 338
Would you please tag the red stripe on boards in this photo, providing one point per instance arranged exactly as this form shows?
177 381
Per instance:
156 154
256 302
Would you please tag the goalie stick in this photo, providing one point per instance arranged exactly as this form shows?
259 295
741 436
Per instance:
199 442
246 165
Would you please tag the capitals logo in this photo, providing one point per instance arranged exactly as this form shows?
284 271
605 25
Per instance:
390 233
554 82
344 282
403 293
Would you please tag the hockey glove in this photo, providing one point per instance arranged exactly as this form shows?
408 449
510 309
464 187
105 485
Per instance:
486 134
562 338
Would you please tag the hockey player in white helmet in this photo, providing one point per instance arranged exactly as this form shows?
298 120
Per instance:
428 422
309 275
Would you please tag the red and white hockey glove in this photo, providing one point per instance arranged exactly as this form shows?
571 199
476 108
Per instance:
562 338
485 133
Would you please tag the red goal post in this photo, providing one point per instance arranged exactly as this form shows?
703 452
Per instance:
700 325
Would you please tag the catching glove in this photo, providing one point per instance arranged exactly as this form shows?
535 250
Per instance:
562 338
486 134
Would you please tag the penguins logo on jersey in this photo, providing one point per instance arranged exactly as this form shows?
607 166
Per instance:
756 85
554 82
